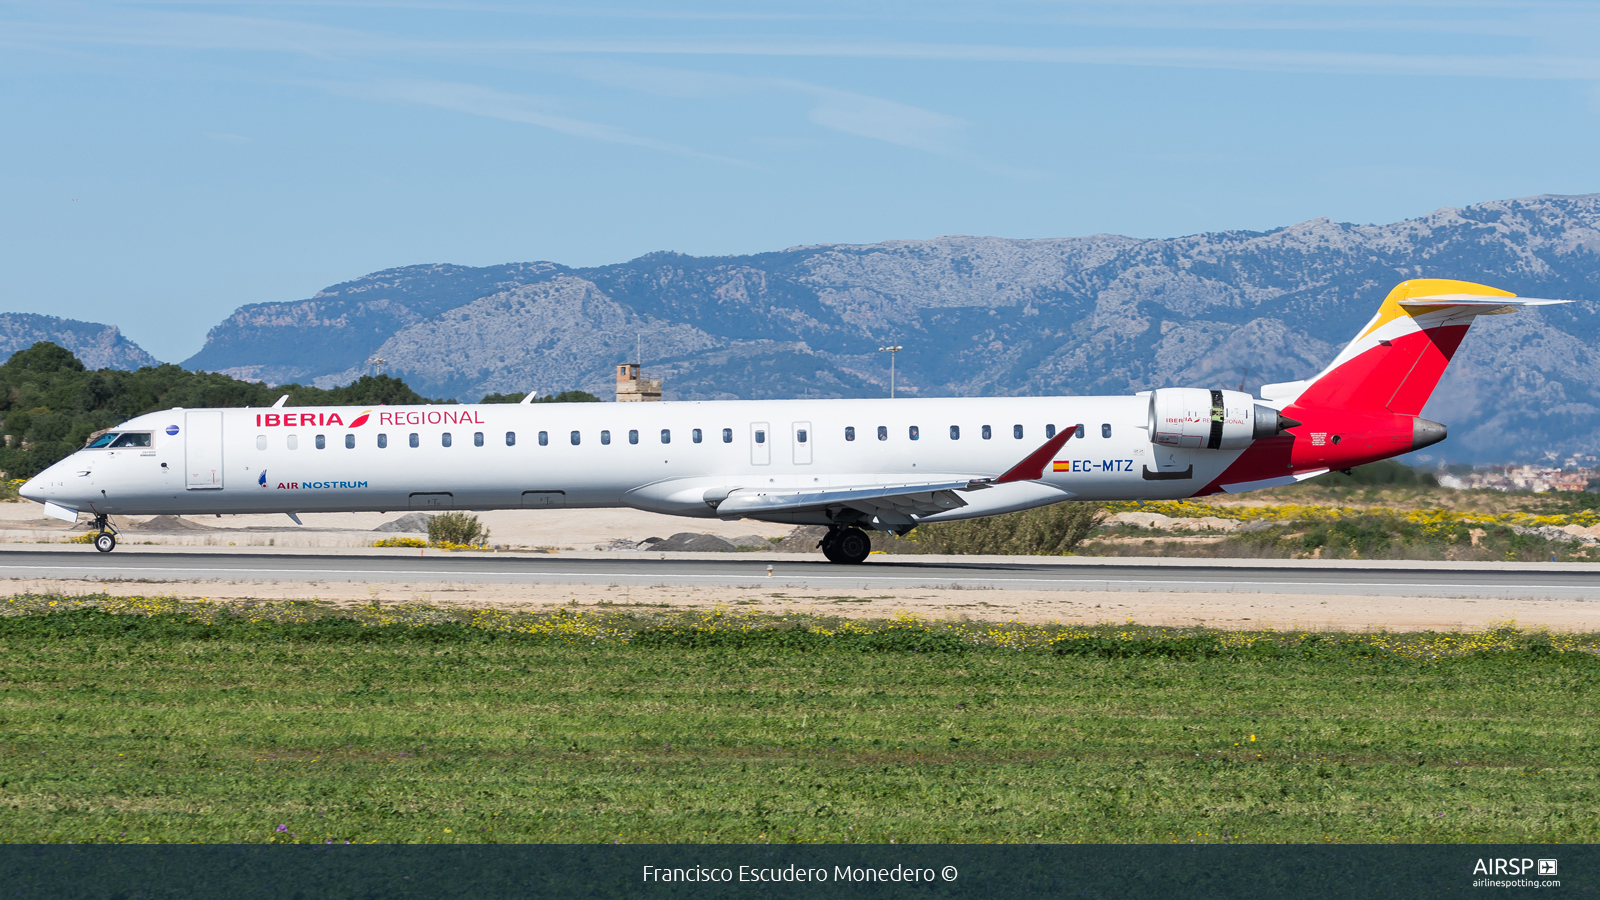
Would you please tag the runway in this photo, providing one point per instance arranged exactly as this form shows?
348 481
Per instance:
1399 579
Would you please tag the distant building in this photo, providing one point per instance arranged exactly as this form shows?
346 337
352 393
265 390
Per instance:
631 388
1537 479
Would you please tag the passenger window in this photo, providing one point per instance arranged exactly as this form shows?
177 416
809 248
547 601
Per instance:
1050 432
987 434
955 432
544 438
1105 430
633 435
511 439
883 432
695 435
800 435
293 441
261 442
1016 432
444 439
477 439
132 439
383 441
915 434
102 441
666 436
605 437
349 442
576 439
1079 433
416 439
761 436
727 435
850 433
322 442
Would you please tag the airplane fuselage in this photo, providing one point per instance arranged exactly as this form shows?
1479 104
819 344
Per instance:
658 456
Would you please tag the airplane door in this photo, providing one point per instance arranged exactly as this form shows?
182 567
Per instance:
802 443
760 444
202 449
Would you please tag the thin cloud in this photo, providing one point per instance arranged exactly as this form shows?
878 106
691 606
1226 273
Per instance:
1252 60
263 34
521 108
847 112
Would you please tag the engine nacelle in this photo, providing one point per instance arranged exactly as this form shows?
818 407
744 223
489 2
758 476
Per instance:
1201 419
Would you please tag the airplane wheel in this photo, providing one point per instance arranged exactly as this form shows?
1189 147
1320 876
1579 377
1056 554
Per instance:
830 545
105 542
851 546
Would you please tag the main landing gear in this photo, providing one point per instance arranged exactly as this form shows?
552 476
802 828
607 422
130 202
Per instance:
106 540
846 545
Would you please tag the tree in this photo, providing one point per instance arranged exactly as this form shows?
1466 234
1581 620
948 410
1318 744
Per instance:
50 403
563 397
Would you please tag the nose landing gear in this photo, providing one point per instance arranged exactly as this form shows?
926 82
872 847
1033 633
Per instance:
106 540
846 545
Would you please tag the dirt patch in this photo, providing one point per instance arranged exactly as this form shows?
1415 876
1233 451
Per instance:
1216 610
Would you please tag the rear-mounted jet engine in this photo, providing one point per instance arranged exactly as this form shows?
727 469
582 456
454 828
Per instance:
1201 419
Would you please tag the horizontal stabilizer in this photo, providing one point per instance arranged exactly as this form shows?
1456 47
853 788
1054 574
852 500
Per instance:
1486 305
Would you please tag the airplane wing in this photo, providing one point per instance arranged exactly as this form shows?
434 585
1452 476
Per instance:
897 502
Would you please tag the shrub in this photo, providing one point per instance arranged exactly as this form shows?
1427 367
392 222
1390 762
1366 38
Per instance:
456 528
399 542
1048 531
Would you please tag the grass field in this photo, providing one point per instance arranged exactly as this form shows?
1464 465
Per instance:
279 723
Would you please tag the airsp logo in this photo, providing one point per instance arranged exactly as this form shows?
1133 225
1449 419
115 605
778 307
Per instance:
1512 867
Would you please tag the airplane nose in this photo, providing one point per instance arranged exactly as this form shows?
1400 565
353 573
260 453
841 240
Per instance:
33 490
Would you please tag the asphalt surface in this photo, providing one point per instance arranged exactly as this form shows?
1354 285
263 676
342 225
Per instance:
789 571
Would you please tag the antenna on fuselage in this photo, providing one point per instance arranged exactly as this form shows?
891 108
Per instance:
281 401
528 399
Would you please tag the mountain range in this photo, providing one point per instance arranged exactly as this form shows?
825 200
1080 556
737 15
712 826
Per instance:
97 346
981 316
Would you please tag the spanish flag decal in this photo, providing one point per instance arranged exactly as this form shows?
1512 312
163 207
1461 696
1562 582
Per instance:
1061 465
361 419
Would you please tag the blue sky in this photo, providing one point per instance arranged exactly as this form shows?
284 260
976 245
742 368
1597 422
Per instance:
164 163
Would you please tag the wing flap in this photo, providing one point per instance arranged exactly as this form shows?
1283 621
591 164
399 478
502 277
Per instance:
900 500
914 499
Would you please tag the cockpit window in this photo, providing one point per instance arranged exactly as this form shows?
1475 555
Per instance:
102 441
132 439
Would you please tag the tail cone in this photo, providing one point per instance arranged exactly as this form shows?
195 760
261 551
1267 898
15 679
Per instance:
1271 422
1425 433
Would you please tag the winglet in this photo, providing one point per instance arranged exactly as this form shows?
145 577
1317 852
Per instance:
1033 465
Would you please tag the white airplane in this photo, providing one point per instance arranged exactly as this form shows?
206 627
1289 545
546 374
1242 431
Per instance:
852 465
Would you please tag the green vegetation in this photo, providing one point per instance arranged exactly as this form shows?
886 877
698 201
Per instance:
1382 511
1385 472
291 722
1365 535
563 397
456 528
1049 531
50 404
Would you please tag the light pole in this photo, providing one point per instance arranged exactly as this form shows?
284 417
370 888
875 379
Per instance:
378 362
892 349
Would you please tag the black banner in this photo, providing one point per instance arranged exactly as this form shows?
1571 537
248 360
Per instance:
483 872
